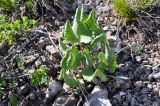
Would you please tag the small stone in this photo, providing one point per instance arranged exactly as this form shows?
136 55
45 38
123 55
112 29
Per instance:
32 96
2 64
114 102
38 63
98 97
61 100
1 45
150 86
133 101
123 83
122 93
53 51
118 97
25 89
128 97
57 22
139 83
144 91
41 42
30 59
105 28
138 58
125 104
156 90
53 88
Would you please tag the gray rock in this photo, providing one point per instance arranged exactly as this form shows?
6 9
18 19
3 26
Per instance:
102 10
2 64
118 97
144 91
122 93
139 58
128 97
53 51
105 28
98 97
123 82
30 59
38 63
63 100
154 76
53 88
134 101
1 45
24 89
32 96
41 42
57 22
156 68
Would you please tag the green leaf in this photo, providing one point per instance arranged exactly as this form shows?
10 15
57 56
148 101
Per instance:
64 63
80 29
85 39
77 15
13 100
101 75
98 39
74 59
91 20
71 81
83 15
63 48
112 65
68 33
102 58
88 74
97 31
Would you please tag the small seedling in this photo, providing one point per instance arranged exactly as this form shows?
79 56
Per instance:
123 8
10 31
136 49
83 57
39 76
20 63
143 4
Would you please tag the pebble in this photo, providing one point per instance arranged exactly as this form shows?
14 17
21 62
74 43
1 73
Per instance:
2 64
139 59
53 51
24 89
32 96
98 97
133 101
53 88
128 97
30 59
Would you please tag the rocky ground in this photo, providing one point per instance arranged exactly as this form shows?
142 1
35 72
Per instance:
136 82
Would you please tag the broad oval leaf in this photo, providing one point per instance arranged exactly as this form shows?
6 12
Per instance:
88 74
101 75
85 39
74 59
71 81
101 57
